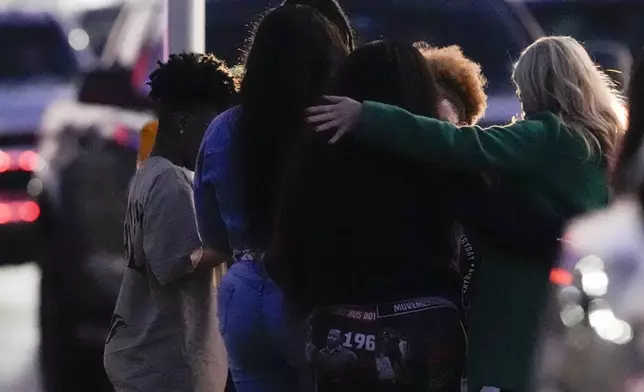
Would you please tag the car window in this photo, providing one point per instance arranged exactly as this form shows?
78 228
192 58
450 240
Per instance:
38 50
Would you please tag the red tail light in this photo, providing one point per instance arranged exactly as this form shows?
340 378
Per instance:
28 211
561 277
19 212
28 161
5 214
5 162
19 160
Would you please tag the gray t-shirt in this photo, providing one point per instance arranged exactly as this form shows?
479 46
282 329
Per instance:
164 335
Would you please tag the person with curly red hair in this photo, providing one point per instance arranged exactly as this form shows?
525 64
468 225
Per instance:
461 86
461 83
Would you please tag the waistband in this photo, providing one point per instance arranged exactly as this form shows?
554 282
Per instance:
249 269
390 309
248 255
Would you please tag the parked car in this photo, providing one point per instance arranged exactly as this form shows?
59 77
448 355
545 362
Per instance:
89 146
613 30
89 156
592 330
39 66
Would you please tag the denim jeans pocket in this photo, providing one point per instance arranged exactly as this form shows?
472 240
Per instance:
224 296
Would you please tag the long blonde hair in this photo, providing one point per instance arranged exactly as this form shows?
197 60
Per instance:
556 74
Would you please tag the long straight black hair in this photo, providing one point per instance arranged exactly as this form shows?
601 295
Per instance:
333 11
294 54
348 213
390 72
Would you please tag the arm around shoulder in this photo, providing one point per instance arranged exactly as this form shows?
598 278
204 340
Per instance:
518 147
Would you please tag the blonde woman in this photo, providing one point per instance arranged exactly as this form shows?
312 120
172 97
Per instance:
557 158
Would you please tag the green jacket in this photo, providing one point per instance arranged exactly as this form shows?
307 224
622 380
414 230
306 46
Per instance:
538 157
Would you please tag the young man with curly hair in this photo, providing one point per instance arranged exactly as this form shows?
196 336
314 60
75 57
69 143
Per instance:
163 335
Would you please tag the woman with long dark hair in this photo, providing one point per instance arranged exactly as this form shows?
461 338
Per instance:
294 53
366 243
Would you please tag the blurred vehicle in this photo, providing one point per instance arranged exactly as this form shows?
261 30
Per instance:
40 66
89 154
596 22
593 333
98 24
89 146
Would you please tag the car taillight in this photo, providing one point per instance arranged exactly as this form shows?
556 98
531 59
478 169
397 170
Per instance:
19 160
5 162
5 213
28 161
19 212
561 277
121 136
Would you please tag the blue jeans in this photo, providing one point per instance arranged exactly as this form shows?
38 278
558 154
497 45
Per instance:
266 350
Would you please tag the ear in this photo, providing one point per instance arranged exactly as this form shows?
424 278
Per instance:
182 121
447 112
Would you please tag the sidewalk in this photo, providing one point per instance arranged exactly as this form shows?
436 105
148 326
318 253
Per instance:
19 369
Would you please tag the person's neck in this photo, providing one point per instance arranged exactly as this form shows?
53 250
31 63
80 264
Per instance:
167 149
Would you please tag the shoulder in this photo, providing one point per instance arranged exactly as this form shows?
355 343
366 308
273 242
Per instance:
545 127
167 177
220 127
546 121
561 134
155 178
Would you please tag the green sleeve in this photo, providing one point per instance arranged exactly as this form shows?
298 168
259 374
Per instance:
514 148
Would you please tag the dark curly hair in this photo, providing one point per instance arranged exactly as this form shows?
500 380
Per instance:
460 80
190 79
333 11
293 57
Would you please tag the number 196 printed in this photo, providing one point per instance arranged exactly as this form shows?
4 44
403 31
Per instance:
361 341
